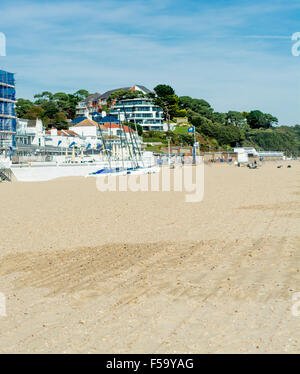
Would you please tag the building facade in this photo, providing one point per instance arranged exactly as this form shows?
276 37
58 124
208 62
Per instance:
63 138
107 128
103 99
94 103
89 130
141 111
8 119
31 134
88 106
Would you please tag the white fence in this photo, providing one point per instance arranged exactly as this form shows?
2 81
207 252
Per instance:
270 154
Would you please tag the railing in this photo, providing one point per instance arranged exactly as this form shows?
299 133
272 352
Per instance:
270 154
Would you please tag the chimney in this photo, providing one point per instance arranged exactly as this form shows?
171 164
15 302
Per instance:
53 131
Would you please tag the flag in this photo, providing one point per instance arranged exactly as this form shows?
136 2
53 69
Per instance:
71 145
59 143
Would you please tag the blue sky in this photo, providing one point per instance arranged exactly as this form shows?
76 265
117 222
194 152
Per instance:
234 54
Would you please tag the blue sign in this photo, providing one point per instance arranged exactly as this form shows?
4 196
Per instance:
191 129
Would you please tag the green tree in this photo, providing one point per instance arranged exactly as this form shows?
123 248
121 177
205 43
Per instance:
219 117
59 102
198 106
257 119
139 128
166 99
43 97
164 90
22 107
283 138
82 94
50 108
60 120
36 111
62 101
181 113
270 120
70 110
235 118
124 94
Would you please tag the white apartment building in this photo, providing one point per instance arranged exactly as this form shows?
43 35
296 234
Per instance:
30 132
89 105
141 111
94 102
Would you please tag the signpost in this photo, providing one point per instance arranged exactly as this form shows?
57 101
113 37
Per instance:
192 130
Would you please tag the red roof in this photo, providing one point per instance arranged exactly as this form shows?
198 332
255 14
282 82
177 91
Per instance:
69 132
62 132
86 122
117 126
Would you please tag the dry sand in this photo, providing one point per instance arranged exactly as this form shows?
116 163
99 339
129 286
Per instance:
85 271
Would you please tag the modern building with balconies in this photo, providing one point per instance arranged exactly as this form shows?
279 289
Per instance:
8 119
141 111
88 105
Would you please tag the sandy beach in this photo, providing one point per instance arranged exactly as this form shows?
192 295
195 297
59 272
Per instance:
85 271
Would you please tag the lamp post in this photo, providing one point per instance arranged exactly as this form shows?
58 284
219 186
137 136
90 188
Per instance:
169 160
133 114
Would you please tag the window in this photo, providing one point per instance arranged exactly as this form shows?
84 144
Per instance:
143 109
143 115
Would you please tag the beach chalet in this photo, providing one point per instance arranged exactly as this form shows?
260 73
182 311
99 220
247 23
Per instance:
244 153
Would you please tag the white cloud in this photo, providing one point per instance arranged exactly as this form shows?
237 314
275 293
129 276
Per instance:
63 46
